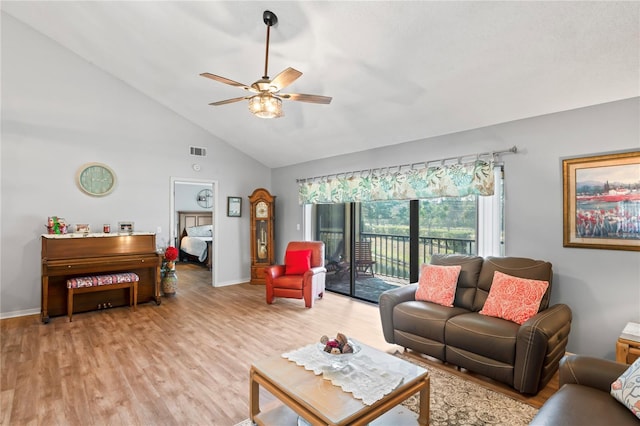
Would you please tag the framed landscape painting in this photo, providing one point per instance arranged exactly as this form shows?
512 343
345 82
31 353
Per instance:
602 201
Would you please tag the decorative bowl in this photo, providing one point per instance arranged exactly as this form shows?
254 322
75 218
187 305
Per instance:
339 361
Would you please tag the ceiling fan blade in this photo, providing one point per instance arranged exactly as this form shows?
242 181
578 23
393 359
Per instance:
228 101
285 78
225 80
314 99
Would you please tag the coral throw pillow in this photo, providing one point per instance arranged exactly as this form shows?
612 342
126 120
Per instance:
438 284
513 298
626 388
297 262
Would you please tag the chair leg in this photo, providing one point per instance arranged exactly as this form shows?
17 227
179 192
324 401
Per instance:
70 304
269 294
135 294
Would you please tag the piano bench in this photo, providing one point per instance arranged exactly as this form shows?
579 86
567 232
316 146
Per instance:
93 283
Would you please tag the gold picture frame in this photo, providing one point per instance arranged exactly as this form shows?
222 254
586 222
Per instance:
601 197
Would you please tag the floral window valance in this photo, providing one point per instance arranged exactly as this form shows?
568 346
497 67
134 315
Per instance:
455 180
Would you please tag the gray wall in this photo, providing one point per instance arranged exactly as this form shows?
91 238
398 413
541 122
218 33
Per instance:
602 287
59 112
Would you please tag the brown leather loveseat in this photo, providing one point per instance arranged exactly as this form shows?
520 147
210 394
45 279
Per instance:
584 396
523 356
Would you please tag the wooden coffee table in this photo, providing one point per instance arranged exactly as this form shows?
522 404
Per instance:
319 402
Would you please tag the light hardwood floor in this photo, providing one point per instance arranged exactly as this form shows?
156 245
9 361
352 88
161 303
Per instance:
185 362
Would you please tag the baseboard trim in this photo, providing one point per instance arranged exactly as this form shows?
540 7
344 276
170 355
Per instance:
23 313
226 283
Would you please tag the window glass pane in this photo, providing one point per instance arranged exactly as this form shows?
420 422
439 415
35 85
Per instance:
385 224
331 226
448 226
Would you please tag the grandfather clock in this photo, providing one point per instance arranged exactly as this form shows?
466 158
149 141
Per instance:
262 206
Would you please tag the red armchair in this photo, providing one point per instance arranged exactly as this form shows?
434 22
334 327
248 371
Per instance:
301 282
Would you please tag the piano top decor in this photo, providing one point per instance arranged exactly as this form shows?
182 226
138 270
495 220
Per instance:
92 235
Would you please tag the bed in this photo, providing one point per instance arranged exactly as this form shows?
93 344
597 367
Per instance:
196 237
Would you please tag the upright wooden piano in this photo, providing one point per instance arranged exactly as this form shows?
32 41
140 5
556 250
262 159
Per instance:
71 255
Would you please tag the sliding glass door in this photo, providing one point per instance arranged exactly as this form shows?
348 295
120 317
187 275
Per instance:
366 246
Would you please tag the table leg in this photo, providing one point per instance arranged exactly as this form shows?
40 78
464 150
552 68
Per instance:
622 352
425 395
254 396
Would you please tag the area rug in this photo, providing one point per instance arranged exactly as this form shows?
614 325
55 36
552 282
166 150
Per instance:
455 401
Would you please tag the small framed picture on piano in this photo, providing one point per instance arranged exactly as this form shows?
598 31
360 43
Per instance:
82 228
125 227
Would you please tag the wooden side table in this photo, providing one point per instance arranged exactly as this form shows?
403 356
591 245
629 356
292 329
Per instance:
627 351
628 345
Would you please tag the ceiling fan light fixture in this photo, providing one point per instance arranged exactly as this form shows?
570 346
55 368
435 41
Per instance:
267 101
265 105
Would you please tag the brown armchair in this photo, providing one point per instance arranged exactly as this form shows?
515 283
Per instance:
307 284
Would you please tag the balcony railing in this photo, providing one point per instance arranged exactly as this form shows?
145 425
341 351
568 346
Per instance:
391 252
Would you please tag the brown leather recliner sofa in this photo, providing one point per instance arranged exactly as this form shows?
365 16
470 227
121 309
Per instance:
523 356
584 396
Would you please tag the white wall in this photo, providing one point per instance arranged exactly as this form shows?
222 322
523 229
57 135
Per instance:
602 287
59 112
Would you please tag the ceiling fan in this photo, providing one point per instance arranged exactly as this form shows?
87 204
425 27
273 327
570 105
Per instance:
265 99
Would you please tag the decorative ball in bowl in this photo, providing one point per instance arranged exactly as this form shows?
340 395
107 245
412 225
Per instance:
339 351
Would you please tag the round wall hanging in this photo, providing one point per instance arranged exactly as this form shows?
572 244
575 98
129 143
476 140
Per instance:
96 179
205 198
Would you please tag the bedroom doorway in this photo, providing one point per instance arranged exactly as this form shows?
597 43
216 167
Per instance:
193 223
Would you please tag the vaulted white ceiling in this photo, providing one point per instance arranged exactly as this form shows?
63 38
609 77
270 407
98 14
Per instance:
397 70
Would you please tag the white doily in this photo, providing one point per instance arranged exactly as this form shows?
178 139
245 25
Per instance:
362 376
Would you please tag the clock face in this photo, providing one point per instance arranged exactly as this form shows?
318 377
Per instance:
262 210
96 179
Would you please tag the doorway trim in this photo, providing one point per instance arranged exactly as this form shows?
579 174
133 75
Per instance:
214 216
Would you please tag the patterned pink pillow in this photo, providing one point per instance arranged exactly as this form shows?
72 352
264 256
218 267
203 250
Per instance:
513 298
626 388
438 284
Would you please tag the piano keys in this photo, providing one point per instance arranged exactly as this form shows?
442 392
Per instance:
68 256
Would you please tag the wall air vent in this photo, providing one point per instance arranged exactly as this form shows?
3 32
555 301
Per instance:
197 151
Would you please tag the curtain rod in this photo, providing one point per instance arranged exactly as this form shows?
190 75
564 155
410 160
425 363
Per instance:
512 150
